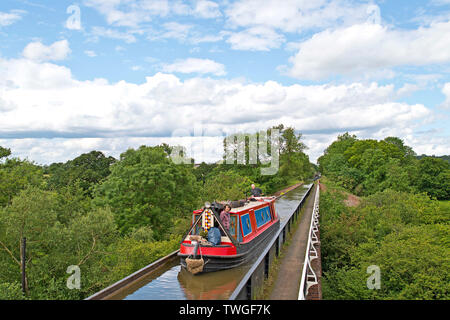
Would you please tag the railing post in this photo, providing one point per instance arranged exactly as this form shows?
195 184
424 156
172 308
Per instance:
277 247
248 288
266 265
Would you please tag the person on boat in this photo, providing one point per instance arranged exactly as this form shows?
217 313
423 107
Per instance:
256 192
225 217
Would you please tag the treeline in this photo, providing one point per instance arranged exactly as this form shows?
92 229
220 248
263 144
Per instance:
112 216
365 167
398 226
446 158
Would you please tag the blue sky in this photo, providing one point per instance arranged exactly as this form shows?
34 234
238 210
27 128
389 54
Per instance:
122 73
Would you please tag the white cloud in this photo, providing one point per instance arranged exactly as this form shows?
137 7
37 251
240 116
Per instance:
7 19
369 47
407 89
39 52
43 102
256 39
194 65
135 13
28 74
90 53
207 9
172 30
446 92
184 33
125 13
128 36
136 68
295 15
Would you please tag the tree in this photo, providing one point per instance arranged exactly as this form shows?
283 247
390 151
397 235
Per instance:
89 169
433 177
4 152
16 175
291 143
405 150
52 246
32 215
404 234
337 148
145 188
227 185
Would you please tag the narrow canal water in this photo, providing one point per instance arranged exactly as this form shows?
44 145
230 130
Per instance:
175 283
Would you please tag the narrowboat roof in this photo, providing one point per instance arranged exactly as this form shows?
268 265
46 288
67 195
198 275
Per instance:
252 204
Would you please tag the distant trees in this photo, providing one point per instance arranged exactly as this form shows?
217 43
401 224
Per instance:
367 166
88 169
294 165
226 185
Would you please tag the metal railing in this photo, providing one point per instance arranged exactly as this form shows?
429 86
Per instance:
260 269
309 277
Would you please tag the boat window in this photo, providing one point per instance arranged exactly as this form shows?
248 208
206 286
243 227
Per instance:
262 216
233 226
246 225
197 227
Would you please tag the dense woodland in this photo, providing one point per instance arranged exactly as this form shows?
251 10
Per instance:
111 216
400 222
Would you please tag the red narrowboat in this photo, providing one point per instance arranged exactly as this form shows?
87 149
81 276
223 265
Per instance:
252 225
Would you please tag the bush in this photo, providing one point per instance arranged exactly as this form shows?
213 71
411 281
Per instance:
406 235
11 291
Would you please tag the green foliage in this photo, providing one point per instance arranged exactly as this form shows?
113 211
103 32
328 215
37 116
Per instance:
294 165
446 157
226 185
365 167
16 175
51 245
406 235
145 188
434 177
144 234
131 255
203 171
4 152
11 291
85 171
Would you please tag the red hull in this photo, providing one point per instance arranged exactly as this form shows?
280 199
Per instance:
255 223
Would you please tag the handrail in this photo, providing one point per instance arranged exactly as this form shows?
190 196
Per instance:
309 277
262 256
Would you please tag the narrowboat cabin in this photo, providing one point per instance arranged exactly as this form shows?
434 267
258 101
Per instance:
252 225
